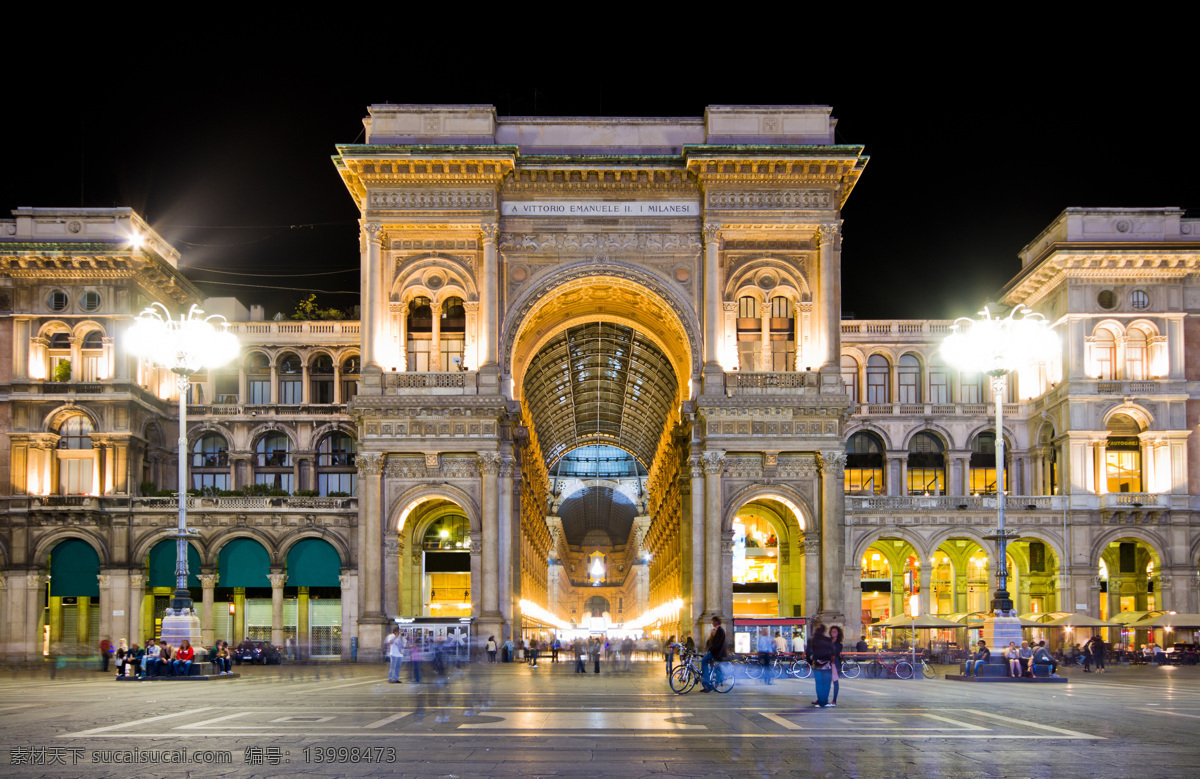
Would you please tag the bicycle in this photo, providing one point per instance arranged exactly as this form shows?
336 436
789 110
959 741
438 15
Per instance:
800 669
850 669
882 668
685 675
753 669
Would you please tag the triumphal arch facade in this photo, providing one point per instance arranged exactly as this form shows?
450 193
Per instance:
588 347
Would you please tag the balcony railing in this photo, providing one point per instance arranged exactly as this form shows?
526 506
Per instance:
431 383
772 383
1011 410
293 328
1130 501
869 503
889 327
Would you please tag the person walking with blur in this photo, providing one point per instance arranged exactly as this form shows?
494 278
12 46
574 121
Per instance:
395 655
819 654
580 656
766 648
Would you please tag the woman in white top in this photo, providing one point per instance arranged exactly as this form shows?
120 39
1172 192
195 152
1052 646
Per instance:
1013 655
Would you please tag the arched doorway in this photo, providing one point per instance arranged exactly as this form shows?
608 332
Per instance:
160 583
313 569
244 586
72 620
768 580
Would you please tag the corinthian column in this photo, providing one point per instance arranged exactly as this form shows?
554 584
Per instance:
714 462
489 470
695 547
506 530
829 241
370 562
833 508
277 579
208 581
488 331
372 316
713 377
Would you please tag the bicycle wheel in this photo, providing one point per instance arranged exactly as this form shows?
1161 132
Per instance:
723 677
801 669
777 670
753 670
928 671
871 670
904 670
851 669
683 679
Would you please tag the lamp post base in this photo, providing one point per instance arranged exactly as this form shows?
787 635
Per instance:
999 630
176 626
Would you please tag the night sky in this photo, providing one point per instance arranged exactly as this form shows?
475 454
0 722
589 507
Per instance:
970 159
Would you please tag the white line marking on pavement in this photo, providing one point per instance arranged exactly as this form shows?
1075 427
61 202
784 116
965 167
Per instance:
106 728
1036 725
379 723
778 720
324 687
18 706
211 721
582 720
1168 711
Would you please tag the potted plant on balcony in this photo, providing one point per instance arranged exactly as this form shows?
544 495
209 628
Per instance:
61 371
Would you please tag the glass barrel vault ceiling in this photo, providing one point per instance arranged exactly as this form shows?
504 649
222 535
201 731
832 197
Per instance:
597 517
600 383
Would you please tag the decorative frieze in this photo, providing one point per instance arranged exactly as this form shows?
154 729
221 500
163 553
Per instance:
771 199
399 467
599 242
434 199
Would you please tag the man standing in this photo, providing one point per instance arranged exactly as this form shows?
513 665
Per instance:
395 655
820 656
766 648
716 653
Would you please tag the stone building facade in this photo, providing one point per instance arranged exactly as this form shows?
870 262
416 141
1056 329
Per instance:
600 378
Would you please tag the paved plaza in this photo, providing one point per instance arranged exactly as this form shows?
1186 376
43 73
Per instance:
514 720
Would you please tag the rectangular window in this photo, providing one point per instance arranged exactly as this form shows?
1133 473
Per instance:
850 379
864 480
337 482
218 481
926 481
983 481
75 475
321 391
260 391
91 368
969 389
939 387
909 391
418 355
451 348
1124 470
290 392
349 390
1135 363
877 387
279 481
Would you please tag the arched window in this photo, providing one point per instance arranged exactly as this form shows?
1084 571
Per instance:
1123 454
983 465
94 366
321 379
210 462
877 379
290 388
273 461
864 464
1136 355
420 334
850 377
453 333
939 381
59 350
749 335
908 370
783 335
926 465
447 534
335 465
350 371
258 379
1104 354
75 458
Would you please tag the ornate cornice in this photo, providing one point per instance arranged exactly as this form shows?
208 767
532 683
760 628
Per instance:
794 199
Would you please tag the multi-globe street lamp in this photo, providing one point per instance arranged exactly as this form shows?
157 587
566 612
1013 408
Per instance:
183 346
998 346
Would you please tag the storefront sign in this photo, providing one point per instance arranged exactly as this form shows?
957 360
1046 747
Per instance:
611 208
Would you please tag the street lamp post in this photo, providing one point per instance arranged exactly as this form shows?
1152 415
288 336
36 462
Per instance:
998 346
182 346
